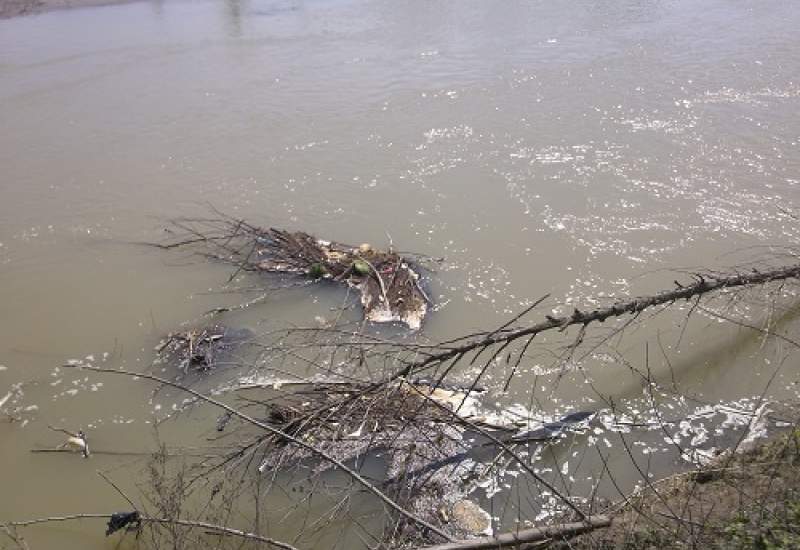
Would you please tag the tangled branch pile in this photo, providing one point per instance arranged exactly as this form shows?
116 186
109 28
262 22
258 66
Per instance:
390 287
427 457
201 349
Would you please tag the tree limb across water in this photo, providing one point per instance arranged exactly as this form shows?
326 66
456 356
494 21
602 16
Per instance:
703 284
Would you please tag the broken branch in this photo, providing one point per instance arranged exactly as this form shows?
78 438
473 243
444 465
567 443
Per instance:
526 536
703 285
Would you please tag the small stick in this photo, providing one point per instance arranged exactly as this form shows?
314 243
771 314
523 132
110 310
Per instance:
124 453
75 441
63 431
424 295
120 491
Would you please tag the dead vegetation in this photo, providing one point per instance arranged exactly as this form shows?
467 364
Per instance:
437 441
203 349
416 439
408 424
389 283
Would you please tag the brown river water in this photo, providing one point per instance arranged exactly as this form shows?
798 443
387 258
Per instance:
580 149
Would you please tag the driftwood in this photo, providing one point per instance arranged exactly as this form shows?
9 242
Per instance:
390 288
525 536
448 354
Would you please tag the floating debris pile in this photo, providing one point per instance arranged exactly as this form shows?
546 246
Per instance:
408 426
348 420
434 462
201 350
389 283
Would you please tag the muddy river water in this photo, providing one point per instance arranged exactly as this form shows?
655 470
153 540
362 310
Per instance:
580 149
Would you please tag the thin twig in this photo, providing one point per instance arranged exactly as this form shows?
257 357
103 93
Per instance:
118 490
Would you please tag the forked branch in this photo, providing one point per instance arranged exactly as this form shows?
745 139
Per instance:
703 284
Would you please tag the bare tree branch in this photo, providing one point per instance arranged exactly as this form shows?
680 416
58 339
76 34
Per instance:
300 443
703 285
144 519
526 536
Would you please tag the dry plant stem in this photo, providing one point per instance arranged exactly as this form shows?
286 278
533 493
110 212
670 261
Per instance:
16 539
637 305
144 519
377 276
300 443
526 536
118 490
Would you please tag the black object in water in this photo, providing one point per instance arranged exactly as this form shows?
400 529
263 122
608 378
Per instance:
123 520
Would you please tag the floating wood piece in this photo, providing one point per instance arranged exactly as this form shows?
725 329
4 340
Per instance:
553 430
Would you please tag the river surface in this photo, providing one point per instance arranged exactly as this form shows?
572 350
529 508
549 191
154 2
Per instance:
580 149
